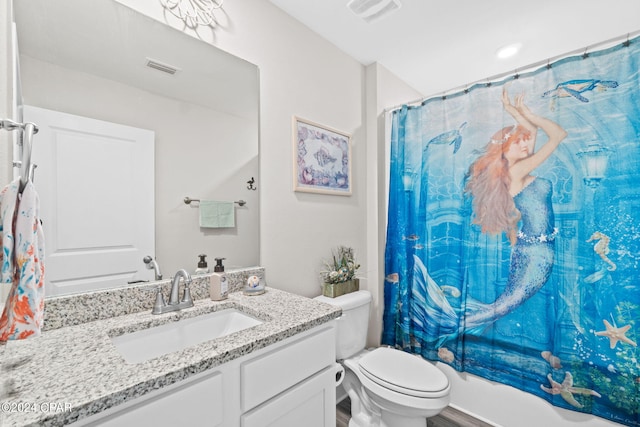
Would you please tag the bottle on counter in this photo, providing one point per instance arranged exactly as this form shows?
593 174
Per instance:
202 265
218 285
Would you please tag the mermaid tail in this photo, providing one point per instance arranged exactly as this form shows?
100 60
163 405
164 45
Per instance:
431 314
532 259
530 269
436 320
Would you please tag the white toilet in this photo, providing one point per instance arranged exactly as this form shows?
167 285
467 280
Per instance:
387 387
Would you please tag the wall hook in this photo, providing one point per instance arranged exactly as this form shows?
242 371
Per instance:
250 186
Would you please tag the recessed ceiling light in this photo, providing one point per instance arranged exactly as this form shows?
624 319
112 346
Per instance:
508 51
372 10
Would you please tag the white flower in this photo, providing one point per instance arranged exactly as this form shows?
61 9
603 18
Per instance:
342 266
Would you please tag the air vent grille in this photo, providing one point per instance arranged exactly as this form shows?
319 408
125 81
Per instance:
372 10
165 68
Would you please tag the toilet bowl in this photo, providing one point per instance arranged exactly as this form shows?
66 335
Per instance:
387 387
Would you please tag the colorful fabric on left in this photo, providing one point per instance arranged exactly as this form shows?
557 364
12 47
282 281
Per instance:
22 262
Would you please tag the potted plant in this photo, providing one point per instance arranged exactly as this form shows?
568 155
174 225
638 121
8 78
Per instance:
339 275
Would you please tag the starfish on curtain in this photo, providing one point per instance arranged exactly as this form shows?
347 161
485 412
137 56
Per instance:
616 334
566 390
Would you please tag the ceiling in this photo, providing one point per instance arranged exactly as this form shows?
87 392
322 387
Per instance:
442 46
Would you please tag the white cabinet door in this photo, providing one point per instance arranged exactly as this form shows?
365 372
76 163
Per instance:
95 180
193 402
311 403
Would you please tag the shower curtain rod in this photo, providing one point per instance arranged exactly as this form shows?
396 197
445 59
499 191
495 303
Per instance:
529 68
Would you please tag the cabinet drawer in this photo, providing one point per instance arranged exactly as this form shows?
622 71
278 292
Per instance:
273 372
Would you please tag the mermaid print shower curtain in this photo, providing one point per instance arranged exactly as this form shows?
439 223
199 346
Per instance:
513 236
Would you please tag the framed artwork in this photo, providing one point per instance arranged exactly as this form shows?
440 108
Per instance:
322 159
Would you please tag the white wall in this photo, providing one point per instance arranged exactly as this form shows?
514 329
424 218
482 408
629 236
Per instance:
7 96
304 75
7 105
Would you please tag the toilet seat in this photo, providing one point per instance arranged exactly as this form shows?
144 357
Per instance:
404 373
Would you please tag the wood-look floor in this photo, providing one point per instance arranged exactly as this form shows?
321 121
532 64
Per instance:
449 417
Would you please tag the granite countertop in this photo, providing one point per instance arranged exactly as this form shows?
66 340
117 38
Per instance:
74 371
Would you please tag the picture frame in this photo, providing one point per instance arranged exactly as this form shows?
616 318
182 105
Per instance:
321 159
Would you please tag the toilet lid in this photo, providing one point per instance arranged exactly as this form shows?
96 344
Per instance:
404 373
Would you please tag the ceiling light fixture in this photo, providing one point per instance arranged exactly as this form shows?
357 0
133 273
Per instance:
508 51
372 10
193 12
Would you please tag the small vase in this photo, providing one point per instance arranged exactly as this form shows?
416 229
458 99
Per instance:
333 290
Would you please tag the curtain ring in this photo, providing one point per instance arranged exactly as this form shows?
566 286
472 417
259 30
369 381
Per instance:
585 55
548 64
627 43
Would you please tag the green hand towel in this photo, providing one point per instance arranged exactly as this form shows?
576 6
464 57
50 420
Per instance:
215 214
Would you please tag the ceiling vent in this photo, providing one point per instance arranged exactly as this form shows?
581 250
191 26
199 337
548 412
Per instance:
372 10
165 68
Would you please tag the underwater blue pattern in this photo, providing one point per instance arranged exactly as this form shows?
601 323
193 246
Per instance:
558 313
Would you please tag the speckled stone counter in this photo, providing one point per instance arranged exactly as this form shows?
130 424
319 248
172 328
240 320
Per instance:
73 371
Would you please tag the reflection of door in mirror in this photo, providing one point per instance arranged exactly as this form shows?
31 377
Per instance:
91 176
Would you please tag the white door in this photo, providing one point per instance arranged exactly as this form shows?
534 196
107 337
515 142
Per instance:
95 180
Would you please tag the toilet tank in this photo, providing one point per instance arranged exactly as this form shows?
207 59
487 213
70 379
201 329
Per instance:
351 333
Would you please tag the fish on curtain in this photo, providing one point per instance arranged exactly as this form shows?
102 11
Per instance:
515 257
22 264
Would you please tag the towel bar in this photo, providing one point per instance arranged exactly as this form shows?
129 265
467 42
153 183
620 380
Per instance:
188 200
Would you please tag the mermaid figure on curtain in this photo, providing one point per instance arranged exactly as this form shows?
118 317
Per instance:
505 195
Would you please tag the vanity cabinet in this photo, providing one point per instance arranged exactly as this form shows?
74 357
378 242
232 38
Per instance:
289 383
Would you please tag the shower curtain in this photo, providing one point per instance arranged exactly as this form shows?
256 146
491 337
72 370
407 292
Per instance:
552 312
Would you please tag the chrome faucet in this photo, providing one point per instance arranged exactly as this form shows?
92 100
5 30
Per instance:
174 302
152 263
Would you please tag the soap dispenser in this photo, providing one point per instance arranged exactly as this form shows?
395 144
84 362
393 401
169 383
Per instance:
202 265
218 285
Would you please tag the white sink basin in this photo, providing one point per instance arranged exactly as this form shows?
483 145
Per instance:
146 344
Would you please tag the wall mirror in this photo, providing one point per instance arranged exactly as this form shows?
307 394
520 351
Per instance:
103 61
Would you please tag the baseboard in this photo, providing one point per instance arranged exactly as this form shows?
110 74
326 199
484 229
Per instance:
473 415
